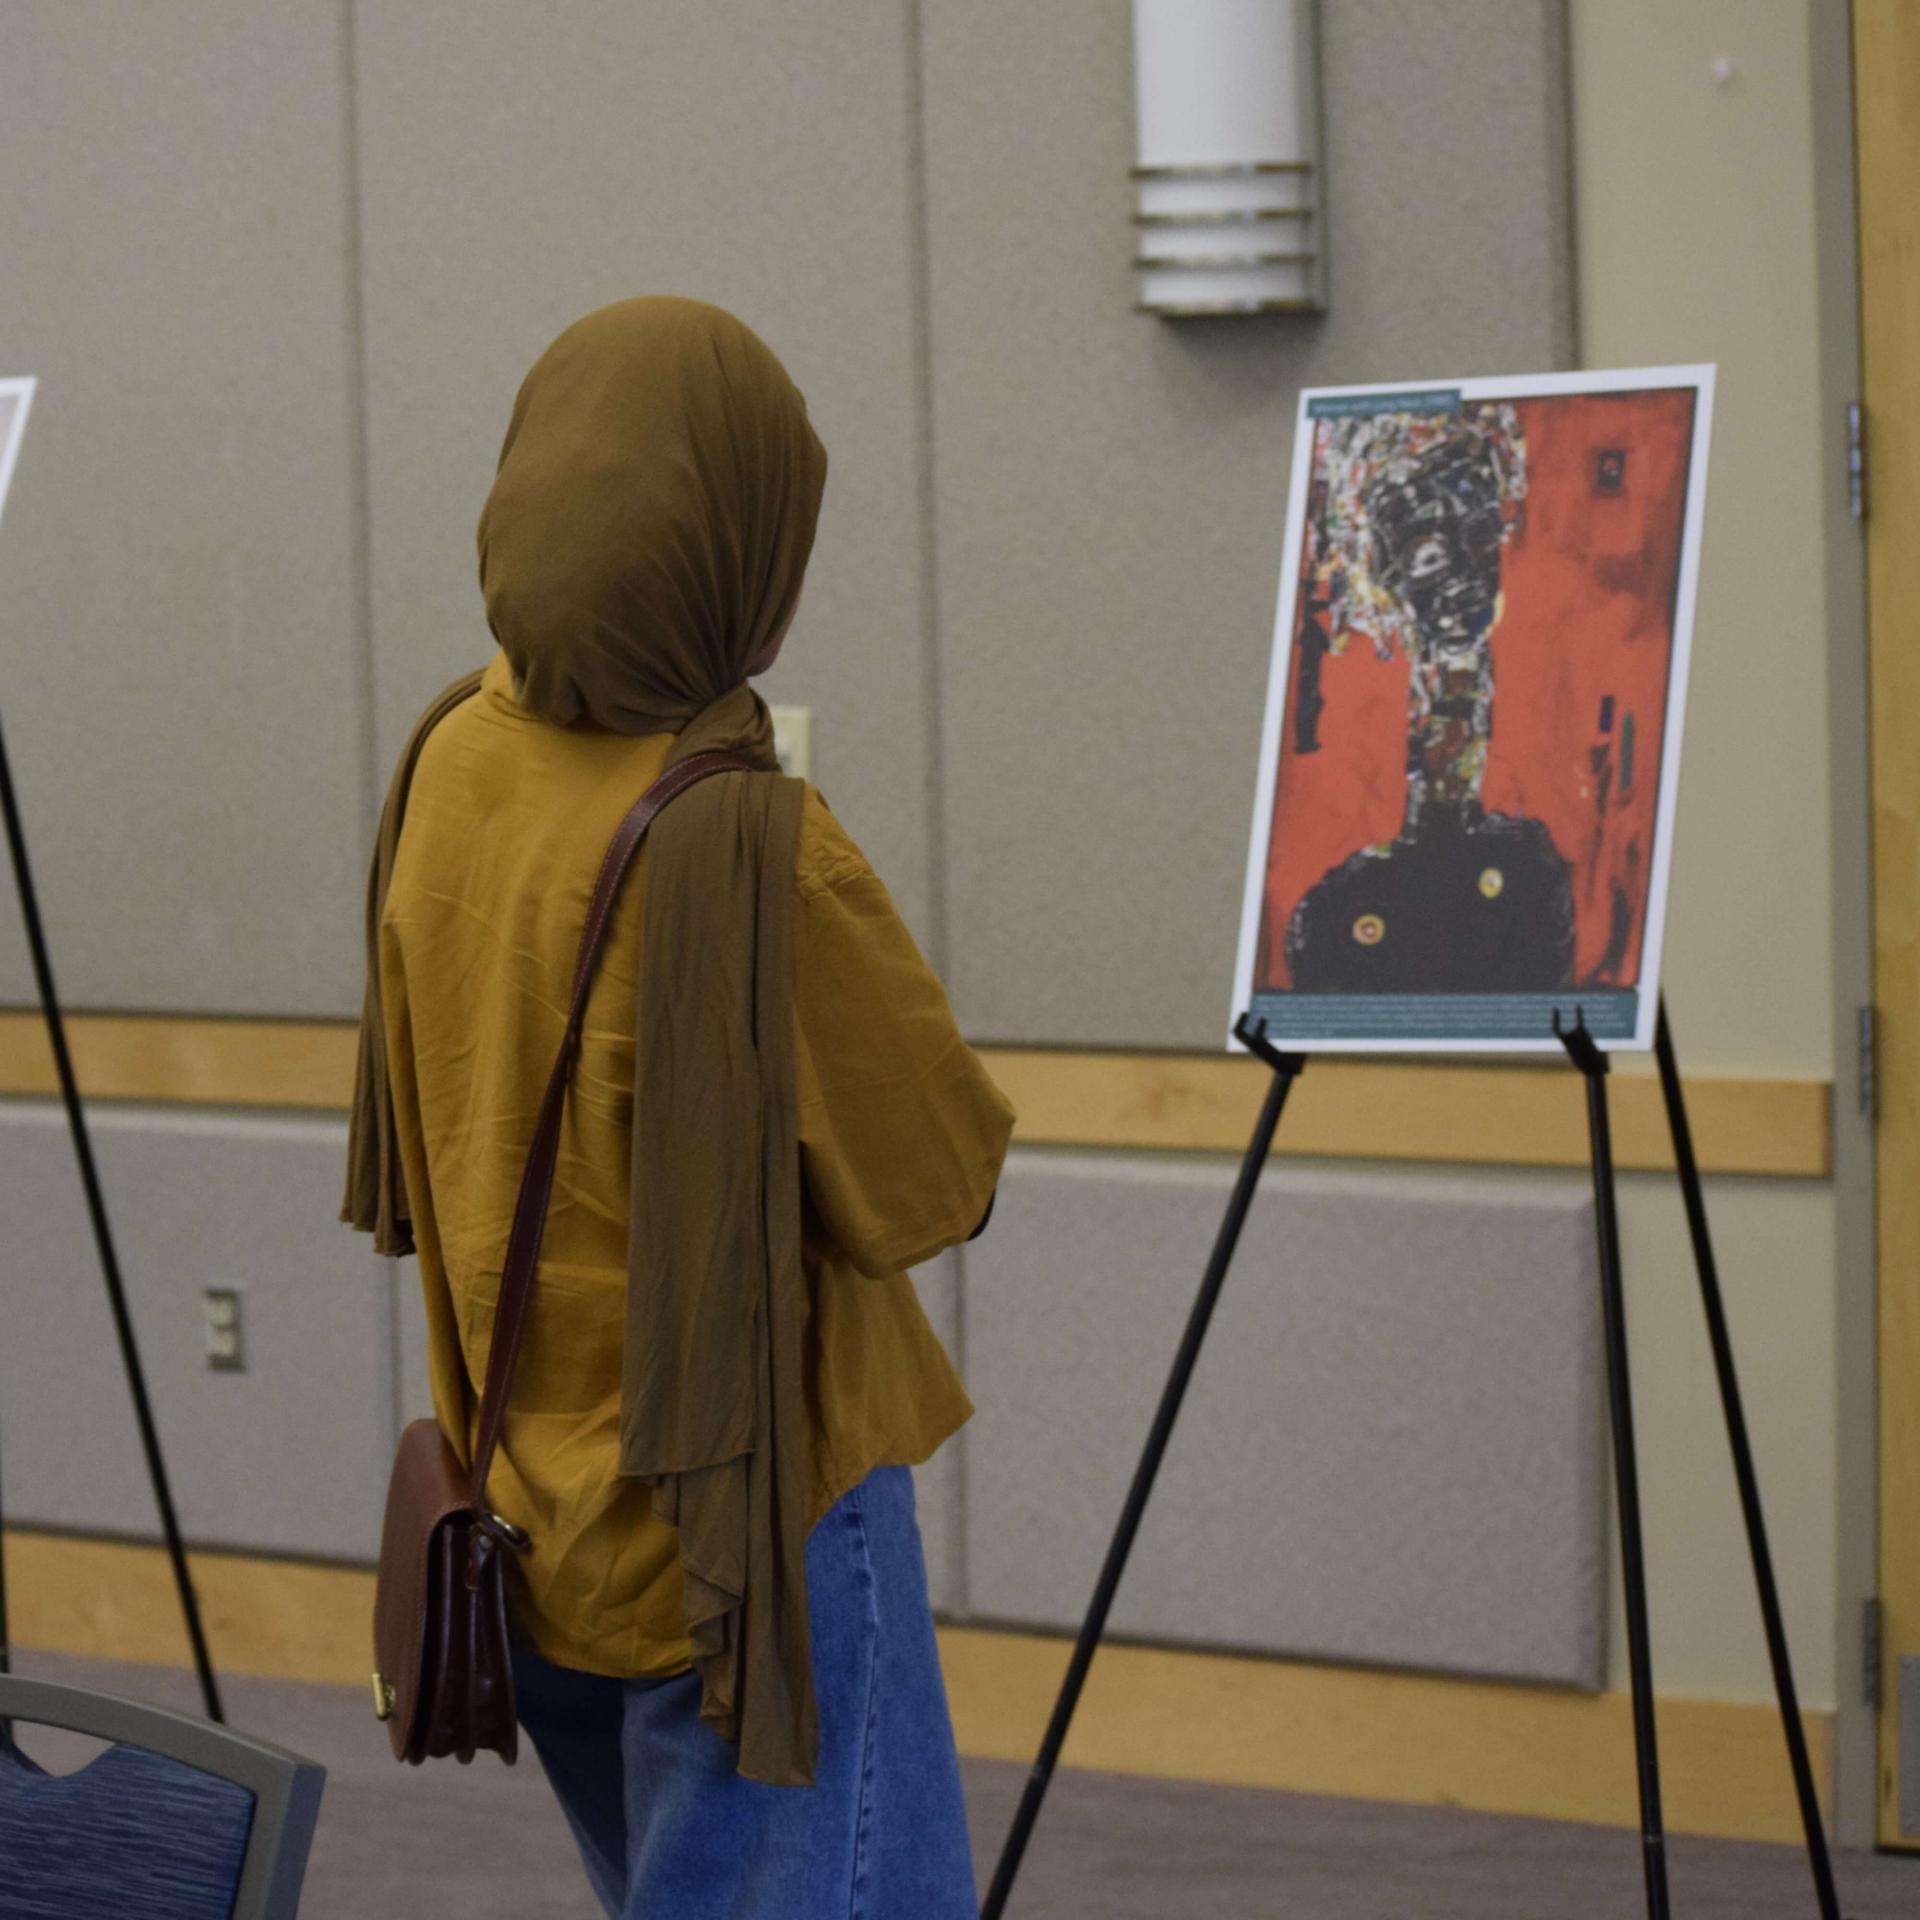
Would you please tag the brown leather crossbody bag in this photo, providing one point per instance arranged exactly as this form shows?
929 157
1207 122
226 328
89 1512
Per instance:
443 1678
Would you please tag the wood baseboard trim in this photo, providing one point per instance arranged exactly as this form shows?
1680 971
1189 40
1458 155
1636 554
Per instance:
1490 1115
1368 1734
188 1059
1224 1719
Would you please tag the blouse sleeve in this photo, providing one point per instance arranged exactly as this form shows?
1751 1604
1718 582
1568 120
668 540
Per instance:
902 1132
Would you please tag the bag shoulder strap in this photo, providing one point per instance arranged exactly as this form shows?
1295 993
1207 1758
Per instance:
522 1264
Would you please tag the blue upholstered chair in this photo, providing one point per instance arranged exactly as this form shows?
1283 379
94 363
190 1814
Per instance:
176 1820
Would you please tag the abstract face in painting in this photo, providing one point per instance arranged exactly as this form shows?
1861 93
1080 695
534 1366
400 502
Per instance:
1437 522
1415 511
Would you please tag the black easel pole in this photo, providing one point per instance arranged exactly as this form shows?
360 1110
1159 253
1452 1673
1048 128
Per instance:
1286 1069
103 1235
1743 1471
1592 1063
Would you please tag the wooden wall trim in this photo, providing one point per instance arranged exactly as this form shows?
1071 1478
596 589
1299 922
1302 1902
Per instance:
1521 1116
1495 1115
1368 1734
197 1061
1227 1719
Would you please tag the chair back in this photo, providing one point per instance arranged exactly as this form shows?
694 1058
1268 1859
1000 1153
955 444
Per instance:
178 1819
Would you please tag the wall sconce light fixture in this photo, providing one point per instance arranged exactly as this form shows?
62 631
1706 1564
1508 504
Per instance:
1229 214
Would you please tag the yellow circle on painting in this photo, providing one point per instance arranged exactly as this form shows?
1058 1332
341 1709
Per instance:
1369 929
1491 882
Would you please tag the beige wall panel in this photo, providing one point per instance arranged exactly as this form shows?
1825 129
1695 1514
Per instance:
522 165
938 1483
1110 487
291 1455
1706 230
180 655
1694 209
413 1379
1050 1295
1392 1451
1774 1240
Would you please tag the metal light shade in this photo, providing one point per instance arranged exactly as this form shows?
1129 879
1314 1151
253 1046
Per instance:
1229 214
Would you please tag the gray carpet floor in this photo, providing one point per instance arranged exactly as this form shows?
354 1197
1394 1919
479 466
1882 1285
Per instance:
473 1843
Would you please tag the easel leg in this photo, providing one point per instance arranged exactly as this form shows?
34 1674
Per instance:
1723 1365
1286 1069
1653 1845
103 1236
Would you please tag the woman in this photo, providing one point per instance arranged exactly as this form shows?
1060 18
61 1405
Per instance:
725 1654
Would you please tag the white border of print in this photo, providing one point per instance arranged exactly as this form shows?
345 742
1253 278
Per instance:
20 391
1617 380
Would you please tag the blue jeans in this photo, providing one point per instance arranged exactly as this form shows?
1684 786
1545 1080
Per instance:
670 1831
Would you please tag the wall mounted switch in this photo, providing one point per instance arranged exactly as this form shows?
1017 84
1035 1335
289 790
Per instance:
225 1340
793 740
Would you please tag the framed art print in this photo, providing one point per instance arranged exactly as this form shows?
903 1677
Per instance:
1471 738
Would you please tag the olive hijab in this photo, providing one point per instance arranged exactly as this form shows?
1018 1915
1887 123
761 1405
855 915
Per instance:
644 541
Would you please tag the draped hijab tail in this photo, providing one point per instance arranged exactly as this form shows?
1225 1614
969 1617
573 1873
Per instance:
712 1406
376 1198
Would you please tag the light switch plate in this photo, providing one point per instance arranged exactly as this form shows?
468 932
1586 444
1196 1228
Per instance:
793 740
225 1336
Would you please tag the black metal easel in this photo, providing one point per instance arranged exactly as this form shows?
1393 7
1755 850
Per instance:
1588 1058
103 1237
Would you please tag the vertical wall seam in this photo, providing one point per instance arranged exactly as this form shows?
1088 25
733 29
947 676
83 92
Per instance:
1560 105
360 515
920 322
360 551
1854 1770
920 310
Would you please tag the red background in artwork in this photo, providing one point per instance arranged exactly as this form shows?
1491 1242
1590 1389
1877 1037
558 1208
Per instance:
1589 582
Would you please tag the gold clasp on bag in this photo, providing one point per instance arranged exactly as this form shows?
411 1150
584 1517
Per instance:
383 1697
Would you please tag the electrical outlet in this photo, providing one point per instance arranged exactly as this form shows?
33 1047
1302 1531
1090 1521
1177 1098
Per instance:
225 1339
793 740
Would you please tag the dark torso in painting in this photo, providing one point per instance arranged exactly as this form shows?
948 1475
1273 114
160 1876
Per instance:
1455 908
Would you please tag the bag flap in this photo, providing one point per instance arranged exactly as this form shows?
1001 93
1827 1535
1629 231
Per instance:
429 1487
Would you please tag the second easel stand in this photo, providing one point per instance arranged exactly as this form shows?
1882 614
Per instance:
103 1245
1592 1064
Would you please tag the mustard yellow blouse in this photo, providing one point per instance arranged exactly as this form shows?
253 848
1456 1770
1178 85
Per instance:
902 1135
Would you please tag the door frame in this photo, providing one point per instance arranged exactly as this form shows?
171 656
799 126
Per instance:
1855 1785
1882 1344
